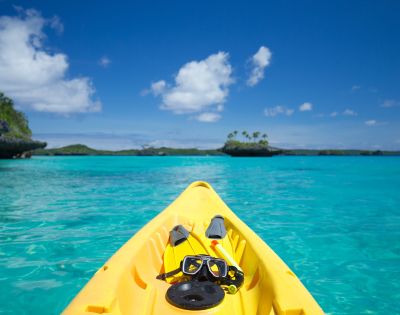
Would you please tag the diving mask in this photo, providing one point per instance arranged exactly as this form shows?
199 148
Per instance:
207 268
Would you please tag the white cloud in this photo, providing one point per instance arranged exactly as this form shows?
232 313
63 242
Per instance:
355 87
259 62
208 117
199 86
346 112
104 61
349 112
278 110
34 77
371 122
390 103
56 24
158 87
305 107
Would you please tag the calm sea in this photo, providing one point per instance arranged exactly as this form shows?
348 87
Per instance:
334 220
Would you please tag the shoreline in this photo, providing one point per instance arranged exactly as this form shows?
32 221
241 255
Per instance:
82 150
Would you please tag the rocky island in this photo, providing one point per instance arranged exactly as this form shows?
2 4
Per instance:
255 144
15 135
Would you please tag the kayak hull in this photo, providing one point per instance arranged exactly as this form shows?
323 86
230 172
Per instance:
127 284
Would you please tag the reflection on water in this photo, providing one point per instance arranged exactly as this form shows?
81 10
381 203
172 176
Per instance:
334 220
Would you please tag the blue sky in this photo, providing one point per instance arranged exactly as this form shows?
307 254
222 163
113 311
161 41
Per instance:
311 74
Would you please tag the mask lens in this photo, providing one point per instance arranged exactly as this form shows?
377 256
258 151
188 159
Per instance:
217 267
191 265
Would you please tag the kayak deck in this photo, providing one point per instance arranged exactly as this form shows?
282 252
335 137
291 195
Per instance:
127 283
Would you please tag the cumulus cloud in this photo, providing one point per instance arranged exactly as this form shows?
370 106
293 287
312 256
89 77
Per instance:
259 62
371 122
346 112
208 117
104 61
390 103
305 107
349 112
34 77
158 87
199 87
278 110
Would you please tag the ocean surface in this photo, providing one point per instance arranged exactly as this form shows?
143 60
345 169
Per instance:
334 220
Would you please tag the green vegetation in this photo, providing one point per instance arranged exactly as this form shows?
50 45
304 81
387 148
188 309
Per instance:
15 135
256 144
74 149
248 139
250 144
13 123
244 149
80 149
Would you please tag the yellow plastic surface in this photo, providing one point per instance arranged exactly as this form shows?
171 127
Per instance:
127 283
173 255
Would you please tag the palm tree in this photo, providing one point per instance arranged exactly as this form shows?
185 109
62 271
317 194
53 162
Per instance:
230 136
264 141
256 134
245 134
235 133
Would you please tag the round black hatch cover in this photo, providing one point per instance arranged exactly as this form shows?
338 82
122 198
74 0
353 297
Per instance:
195 295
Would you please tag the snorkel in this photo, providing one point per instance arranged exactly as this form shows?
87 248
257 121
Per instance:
233 284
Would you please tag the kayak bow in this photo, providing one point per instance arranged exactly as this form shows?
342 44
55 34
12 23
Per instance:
127 283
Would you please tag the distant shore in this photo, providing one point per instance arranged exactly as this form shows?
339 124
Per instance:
80 149
83 150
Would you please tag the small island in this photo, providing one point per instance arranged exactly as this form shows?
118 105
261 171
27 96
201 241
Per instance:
15 135
254 144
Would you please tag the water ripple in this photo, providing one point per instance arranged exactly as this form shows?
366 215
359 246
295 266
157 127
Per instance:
335 221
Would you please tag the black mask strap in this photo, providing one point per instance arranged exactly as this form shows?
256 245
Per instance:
166 275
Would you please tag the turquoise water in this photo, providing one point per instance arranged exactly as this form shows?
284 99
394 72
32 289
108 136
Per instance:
334 220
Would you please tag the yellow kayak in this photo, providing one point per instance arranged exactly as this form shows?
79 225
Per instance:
127 283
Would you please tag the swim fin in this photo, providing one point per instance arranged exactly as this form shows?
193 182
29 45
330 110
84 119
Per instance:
216 229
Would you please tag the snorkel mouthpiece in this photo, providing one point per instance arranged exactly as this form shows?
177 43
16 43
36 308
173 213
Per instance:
232 289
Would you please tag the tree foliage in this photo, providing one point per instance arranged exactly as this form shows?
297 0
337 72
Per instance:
247 138
13 122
